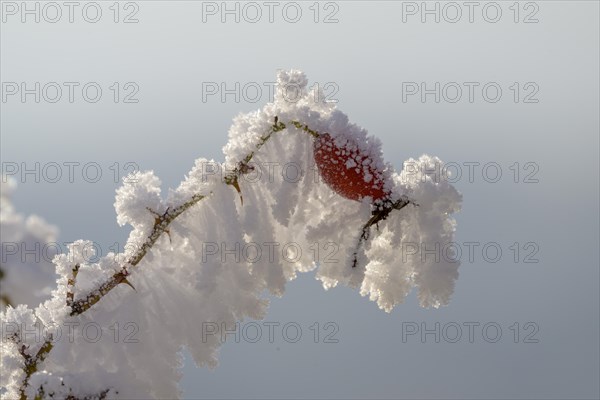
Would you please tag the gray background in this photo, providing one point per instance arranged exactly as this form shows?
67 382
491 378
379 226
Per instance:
367 54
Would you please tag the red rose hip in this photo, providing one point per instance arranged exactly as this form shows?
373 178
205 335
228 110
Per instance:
347 170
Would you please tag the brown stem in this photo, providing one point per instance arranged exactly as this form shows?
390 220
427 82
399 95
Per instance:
377 216
243 167
31 362
161 224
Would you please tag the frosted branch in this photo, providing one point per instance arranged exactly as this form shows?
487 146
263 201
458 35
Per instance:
377 216
31 361
224 292
161 224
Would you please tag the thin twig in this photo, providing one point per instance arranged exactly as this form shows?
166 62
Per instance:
377 216
161 224
243 166
31 362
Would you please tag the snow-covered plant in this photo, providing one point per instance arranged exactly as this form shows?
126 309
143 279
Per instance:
296 173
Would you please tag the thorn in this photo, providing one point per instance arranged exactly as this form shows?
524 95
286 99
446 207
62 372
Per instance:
236 185
125 281
121 277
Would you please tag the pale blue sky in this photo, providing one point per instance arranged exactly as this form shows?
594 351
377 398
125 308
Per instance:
367 55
